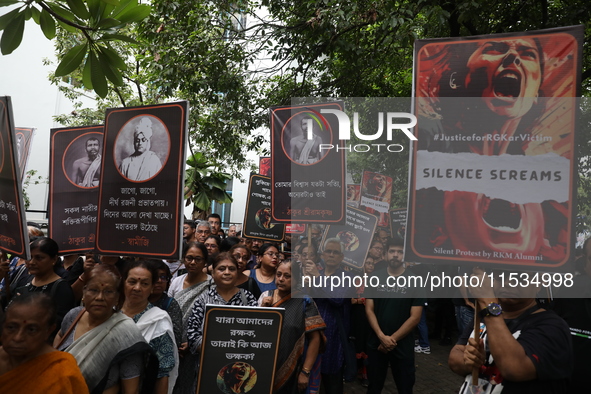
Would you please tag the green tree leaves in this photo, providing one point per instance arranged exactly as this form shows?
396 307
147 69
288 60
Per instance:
71 60
13 34
94 21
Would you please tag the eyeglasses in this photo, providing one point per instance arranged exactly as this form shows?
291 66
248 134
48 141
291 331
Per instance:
240 256
163 278
203 231
197 259
271 254
95 292
211 246
330 251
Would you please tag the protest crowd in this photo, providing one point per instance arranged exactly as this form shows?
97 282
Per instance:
123 324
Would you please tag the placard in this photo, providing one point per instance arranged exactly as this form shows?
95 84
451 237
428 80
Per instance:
355 236
258 221
493 169
398 220
265 166
307 165
24 139
14 236
240 346
353 195
74 177
142 179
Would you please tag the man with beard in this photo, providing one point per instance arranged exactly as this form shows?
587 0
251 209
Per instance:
87 170
254 248
392 318
522 348
215 221
189 233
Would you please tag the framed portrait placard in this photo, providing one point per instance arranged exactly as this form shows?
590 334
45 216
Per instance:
14 237
142 177
74 177
307 178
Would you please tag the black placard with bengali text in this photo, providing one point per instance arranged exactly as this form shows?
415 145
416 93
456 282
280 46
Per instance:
142 178
239 337
398 220
307 187
74 177
258 221
355 236
14 237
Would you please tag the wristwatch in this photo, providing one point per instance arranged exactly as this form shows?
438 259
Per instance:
492 309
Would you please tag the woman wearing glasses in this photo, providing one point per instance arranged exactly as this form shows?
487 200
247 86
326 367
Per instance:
264 274
154 324
242 255
185 289
107 345
212 243
223 292
165 302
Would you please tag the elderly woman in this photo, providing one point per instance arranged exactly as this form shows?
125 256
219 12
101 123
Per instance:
224 292
301 336
44 257
28 364
185 289
154 324
108 346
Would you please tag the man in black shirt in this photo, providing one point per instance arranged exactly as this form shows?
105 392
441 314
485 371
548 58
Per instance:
522 348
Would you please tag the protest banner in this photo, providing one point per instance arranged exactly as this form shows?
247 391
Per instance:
14 236
492 172
355 235
265 166
307 165
295 229
353 195
24 138
376 194
74 177
239 350
258 221
398 220
142 179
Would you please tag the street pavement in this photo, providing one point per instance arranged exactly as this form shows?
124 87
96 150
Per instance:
433 376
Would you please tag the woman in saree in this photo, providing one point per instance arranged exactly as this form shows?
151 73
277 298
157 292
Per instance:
154 323
185 289
107 345
302 337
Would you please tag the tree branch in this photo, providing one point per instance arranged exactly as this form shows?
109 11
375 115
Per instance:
60 18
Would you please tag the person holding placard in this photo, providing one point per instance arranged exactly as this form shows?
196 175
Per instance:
302 336
223 292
